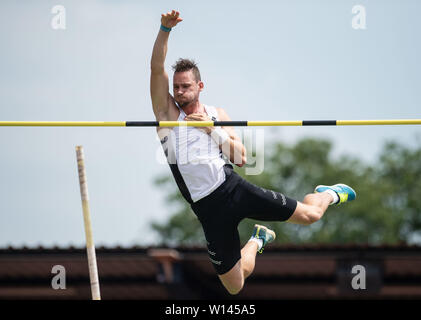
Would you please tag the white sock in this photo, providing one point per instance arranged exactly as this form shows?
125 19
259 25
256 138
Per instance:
334 196
258 241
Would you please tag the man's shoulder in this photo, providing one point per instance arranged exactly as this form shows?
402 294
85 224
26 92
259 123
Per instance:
222 115
216 111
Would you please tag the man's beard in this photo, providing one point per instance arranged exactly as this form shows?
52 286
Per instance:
183 104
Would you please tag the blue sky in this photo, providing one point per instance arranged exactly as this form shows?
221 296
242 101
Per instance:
266 60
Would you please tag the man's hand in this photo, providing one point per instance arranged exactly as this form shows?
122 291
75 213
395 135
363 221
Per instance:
170 19
232 147
200 117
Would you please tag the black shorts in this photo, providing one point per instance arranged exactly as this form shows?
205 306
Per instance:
222 211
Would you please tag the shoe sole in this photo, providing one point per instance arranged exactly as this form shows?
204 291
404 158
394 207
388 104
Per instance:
272 233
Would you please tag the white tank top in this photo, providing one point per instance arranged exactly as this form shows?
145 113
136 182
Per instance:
195 159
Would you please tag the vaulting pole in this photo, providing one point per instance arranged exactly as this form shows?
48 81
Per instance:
90 248
209 123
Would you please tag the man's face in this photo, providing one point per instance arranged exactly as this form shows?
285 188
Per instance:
186 88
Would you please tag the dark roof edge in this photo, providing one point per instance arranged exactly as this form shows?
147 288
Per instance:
193 249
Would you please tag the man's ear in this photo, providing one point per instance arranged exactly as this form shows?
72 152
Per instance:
201 85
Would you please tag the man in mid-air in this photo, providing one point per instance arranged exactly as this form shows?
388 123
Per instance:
218 196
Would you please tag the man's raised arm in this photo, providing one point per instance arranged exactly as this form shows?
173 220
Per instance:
159 78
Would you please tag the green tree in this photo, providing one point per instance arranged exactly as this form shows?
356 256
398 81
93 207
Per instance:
400 170
387 209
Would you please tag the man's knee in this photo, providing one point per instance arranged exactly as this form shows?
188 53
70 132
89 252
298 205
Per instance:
312 215
235 288
306 214
233 280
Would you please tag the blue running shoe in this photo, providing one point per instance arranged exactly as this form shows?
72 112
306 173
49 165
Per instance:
263 233
344 192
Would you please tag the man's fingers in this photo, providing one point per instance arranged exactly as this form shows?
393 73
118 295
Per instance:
171 16
168 14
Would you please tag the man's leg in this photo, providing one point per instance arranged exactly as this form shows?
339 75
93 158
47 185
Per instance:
315 205
248 258
234 279
311 209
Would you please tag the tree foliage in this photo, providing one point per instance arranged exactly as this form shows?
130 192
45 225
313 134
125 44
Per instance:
387 208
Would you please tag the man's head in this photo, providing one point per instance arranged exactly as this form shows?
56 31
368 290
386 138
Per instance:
187 83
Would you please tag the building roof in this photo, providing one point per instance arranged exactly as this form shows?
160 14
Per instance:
281 272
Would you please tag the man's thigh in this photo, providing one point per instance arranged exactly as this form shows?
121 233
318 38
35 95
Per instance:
262 204
223 244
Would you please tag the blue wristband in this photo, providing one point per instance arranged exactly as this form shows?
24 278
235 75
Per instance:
165 29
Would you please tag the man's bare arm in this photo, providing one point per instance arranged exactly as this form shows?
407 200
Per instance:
233 148
159 77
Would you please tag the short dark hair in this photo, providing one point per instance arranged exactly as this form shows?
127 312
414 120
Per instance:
183 65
